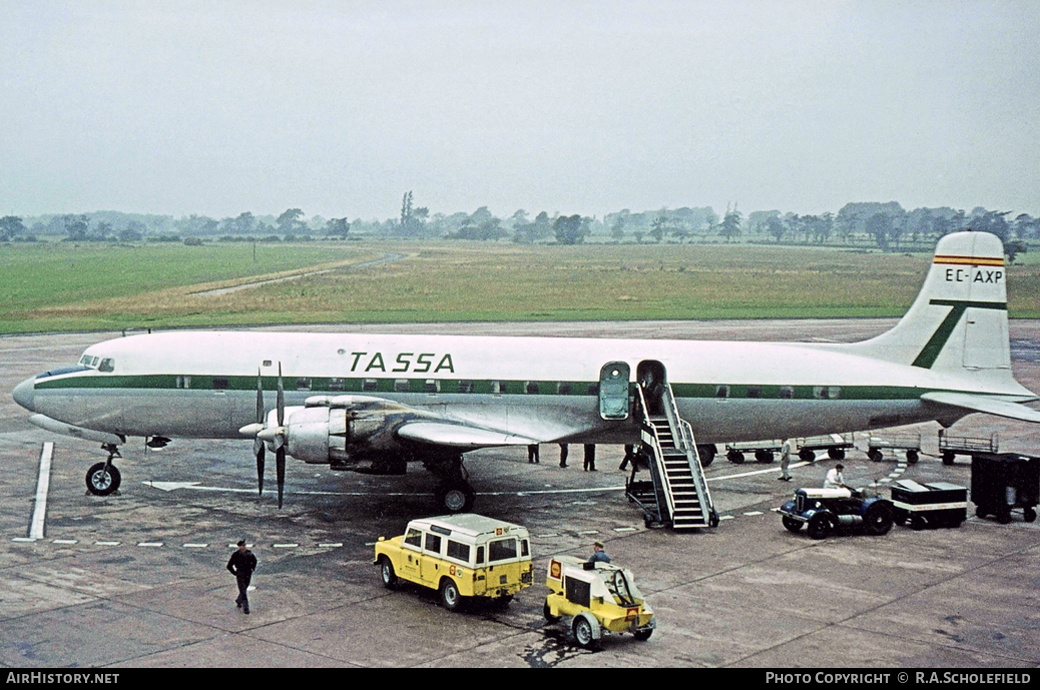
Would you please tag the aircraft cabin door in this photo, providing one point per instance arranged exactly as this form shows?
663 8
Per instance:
613 390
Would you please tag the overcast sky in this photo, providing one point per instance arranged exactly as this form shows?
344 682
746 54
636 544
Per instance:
339 108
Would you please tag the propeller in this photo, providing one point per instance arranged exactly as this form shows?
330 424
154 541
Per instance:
269 435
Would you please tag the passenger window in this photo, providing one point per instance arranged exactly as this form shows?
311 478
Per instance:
480 556
501 550
458 551
402 385
369 385
303 384
754 391
465 386
721 391
108 364
184 382
563 388
220 383
497 388
787 392
433 386
337 384
524 551
413 538
531 387
433 544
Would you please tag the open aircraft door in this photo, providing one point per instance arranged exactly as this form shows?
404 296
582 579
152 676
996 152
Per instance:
613 390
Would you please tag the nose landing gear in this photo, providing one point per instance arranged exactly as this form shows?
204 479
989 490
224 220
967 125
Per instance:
103 479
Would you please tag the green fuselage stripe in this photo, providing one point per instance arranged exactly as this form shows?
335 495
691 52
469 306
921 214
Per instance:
390 386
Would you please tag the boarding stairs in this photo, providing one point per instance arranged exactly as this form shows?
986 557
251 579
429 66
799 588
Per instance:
677 493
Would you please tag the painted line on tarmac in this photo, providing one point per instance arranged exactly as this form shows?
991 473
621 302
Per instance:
43 485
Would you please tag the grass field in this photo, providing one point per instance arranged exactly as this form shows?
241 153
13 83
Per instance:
59 286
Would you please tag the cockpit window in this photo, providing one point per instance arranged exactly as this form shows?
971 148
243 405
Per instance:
95 362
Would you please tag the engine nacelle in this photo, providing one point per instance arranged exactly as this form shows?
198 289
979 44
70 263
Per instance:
344 428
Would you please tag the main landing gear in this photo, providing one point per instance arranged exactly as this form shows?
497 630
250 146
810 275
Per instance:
103 479
453 492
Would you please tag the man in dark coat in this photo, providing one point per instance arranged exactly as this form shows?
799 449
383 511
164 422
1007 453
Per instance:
241 565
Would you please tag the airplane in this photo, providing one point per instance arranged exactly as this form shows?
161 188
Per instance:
373 403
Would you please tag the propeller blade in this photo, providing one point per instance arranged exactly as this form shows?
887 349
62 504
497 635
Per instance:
281 397
258 445
260 470
280 467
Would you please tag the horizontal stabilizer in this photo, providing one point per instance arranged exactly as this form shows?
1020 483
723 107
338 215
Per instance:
986 404
459 436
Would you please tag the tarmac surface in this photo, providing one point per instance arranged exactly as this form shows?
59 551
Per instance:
138 579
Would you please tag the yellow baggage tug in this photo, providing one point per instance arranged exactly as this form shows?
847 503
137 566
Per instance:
596 599
461 556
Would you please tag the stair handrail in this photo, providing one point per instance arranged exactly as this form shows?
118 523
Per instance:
683 433
661 487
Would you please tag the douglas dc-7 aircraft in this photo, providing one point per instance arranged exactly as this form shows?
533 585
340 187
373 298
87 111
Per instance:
372 403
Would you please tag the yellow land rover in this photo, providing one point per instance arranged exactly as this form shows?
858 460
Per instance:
461 556
596 599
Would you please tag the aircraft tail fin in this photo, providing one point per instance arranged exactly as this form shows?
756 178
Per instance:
958 323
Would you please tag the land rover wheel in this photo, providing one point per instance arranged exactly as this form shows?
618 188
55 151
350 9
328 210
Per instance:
450 597
547 612
791 524
386 571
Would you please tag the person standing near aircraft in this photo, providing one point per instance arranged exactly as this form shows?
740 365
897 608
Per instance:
242 564
785 460
629 457
563 455
590 457
835 479
532 454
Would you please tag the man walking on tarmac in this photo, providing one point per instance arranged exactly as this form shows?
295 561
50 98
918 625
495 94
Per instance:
241 565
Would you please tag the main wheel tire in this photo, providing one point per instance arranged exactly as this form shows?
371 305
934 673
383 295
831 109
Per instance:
456 497
583 632
912 457
947 457
450 597
102 482
836 453
706 452
819 526
735 457
875 455
387 573
918 522
643 635
791 524
878 518
807 455
1029 514
547 613
763 456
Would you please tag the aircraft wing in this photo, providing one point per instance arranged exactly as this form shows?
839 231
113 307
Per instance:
458 435
986 404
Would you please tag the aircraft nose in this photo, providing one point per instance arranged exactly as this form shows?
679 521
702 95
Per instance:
23 393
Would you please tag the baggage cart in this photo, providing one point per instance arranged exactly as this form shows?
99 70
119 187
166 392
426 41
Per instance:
935 504
834 444
911 443
764 451
951 446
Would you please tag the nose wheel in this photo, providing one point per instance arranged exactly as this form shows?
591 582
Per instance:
103 479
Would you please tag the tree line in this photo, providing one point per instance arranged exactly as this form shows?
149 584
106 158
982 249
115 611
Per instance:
884 225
